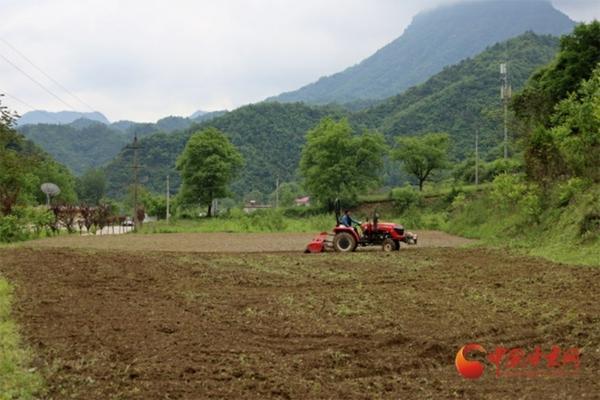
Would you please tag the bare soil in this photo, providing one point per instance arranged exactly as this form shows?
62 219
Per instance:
219 242
145 324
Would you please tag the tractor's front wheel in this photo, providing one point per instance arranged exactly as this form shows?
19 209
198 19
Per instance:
389 245
344 242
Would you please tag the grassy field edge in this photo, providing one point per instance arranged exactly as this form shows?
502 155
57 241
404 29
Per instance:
17 379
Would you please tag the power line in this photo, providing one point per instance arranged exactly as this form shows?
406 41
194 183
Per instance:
18 100
46 74
37 82
31 108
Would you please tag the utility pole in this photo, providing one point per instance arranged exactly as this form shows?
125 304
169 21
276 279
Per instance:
135 147
506 94
168 200
477 156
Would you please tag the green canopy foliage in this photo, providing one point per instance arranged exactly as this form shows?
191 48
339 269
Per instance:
269 135
336 163
463 97
24 167
422 155
576 130
557 110
91 187
578 56
208 164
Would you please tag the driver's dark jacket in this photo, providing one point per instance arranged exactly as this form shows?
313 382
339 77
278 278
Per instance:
348 221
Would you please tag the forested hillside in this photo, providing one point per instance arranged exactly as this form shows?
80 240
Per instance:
270 135
78 147
24 167
464 97
85 143
435 39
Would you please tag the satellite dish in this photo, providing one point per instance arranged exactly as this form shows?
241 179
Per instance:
51 190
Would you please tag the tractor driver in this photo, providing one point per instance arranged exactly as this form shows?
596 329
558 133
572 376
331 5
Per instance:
347 220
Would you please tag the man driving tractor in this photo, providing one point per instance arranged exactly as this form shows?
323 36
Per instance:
347 220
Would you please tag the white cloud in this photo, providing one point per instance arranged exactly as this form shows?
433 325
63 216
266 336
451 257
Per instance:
146 59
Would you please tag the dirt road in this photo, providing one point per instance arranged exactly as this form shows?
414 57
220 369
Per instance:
219 242
179 325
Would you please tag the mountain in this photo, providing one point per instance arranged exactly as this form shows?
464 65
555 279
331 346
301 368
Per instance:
122 125
172 123
463 97
435 39
197 114
207 116
23 156
78 146
270 136
61 117
87 143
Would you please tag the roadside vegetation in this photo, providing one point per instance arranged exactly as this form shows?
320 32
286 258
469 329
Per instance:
17 379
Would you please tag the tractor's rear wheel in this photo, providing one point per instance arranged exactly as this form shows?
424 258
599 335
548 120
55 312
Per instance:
388 245
344 242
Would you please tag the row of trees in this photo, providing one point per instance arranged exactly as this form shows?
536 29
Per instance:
335 162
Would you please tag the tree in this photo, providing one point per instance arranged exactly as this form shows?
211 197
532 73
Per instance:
557 117
579 55
421 155
91 187
208 164
335 163
288 192
576 130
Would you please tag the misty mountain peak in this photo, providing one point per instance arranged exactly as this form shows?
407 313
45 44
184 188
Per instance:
435 39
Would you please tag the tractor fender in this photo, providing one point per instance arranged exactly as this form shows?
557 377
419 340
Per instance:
343 228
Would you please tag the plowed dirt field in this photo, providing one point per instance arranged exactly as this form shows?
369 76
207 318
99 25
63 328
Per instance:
153 324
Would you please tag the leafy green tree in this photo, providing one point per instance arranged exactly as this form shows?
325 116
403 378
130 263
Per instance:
336 163
15 182
91 187
288 192
208 164
547 155
422 155
578 56
23 167
576 131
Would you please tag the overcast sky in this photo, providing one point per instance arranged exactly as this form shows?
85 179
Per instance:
144 59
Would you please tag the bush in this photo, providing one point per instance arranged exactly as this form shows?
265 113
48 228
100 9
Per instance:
565 191
24 223
404 198
501 166
508 190
12 230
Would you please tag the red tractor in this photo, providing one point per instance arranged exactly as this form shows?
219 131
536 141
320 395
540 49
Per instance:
388 235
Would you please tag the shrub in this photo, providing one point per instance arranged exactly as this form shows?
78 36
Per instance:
568 189
405 197
24 223
11 229
508 190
